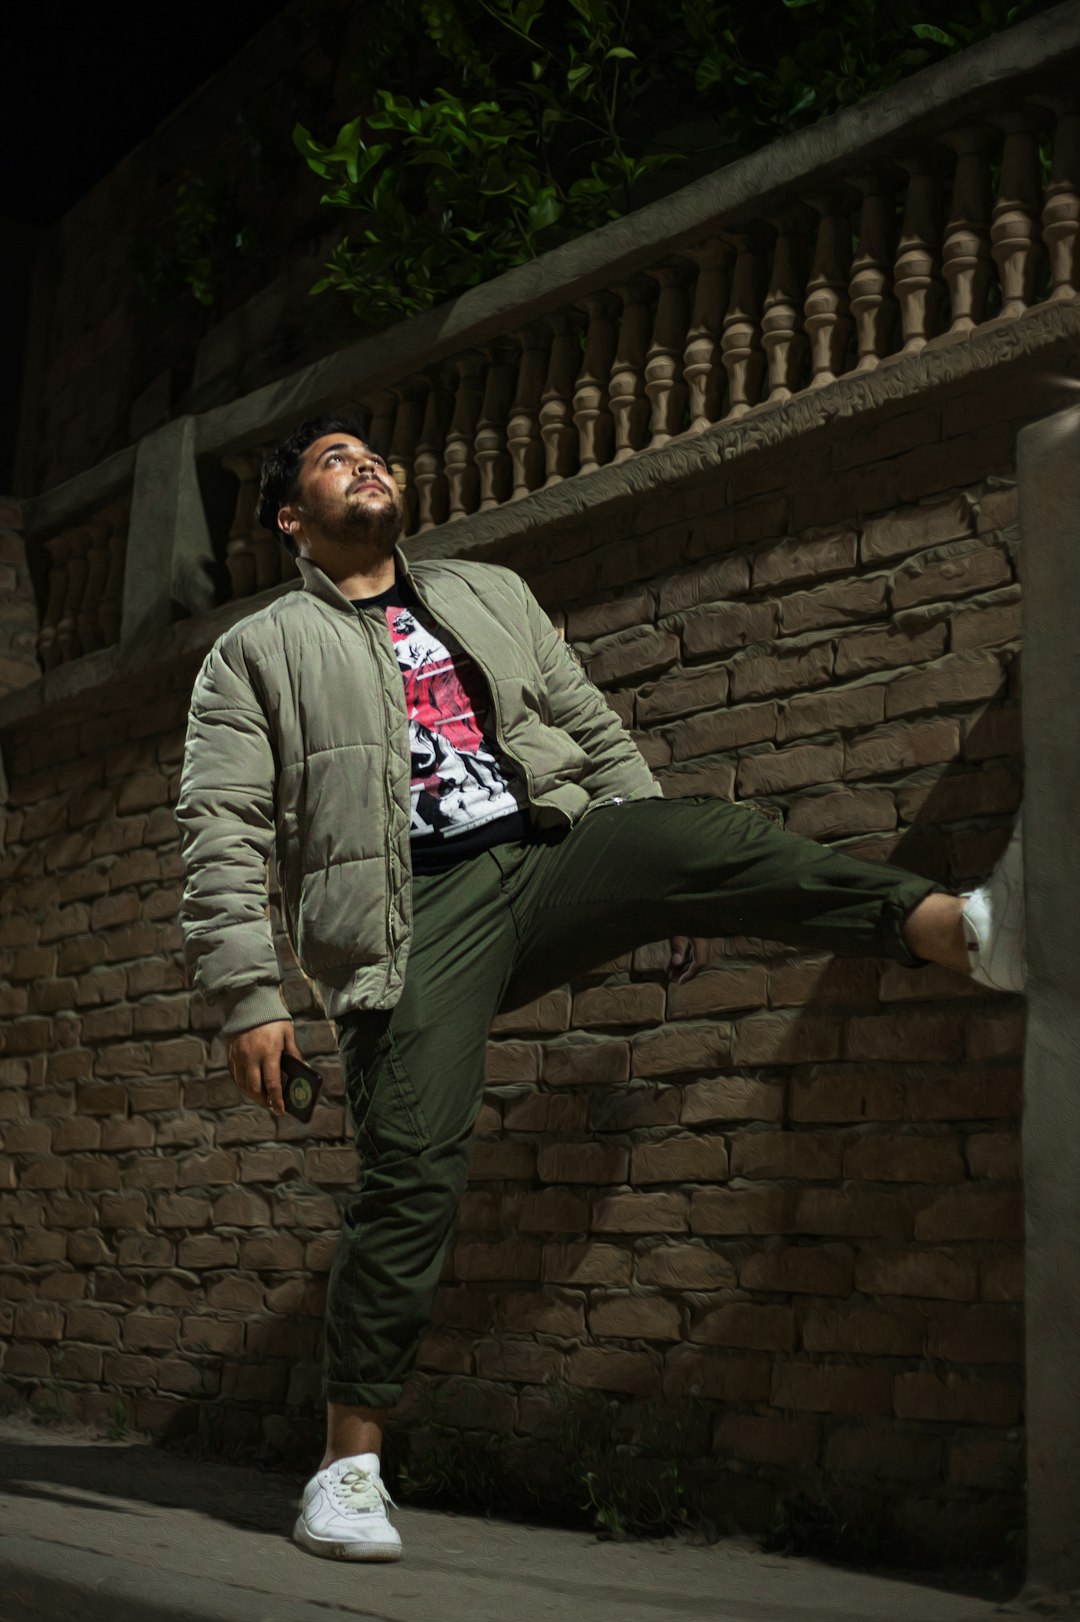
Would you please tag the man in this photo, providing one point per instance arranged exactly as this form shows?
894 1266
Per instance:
460 822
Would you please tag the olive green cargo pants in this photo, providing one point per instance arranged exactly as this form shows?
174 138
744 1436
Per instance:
500 928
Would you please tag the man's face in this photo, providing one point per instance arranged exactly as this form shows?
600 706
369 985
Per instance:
345 494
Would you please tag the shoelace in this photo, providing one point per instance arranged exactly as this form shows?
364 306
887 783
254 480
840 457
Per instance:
360 1491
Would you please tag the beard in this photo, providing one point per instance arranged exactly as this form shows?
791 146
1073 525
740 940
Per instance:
375 521
379 521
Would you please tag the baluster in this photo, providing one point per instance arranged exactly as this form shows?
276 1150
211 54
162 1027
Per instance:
408 423
240 558
702 367
870 288
916 277
360 413
592 414
266 549
459 457
827 314
380 429
50 650
630 406
283 561
1061 210
1014 224
492 457
744 358
431 487
112 597
91 630
965 260
67 632
664 384
556 423
523 429
782 336
264 545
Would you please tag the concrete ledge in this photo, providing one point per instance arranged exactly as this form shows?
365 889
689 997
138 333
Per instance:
66 503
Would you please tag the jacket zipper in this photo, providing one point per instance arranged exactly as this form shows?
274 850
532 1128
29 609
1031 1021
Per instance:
370 635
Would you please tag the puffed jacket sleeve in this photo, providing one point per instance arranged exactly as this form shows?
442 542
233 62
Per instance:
225 814
618 768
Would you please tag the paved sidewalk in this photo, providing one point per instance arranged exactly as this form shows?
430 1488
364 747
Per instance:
122 1532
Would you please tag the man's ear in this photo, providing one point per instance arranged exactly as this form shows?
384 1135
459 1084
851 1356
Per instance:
289 520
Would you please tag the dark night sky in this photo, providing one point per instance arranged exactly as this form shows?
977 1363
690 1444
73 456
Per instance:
84 84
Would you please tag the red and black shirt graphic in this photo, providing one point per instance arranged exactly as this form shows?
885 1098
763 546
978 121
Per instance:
465 796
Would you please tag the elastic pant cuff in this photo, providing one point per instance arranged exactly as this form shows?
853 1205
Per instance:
895 914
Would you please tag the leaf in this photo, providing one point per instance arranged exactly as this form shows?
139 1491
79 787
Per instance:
621 52
938 35
545 211
365 160
577 75
525 14
433 157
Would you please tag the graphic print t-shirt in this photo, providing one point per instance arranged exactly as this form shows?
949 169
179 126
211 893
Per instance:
465 796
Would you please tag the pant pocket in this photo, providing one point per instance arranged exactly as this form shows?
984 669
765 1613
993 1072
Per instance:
387 1114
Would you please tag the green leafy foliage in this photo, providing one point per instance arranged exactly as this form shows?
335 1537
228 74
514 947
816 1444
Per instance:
527 122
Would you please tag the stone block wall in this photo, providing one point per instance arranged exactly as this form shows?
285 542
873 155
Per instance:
800 1173
788 1189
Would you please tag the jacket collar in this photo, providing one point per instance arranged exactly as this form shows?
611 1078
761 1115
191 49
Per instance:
319 583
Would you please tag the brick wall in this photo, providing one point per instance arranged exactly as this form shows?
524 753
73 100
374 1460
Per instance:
788 1189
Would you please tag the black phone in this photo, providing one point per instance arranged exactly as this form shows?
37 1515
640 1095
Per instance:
300 1086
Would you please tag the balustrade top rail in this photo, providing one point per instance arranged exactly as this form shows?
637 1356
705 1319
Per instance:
942 209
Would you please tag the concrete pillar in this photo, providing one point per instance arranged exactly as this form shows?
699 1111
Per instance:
169 569
1049 480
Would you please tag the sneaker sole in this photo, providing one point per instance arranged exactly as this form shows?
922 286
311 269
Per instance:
340 1549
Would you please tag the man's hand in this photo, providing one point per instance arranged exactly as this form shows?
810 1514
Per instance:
254 1059
688 957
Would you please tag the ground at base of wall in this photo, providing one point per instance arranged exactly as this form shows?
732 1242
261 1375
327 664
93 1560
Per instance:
582 1475
213 1539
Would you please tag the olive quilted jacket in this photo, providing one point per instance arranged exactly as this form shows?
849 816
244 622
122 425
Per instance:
298 743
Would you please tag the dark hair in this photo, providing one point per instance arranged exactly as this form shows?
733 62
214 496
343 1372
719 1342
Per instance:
277 486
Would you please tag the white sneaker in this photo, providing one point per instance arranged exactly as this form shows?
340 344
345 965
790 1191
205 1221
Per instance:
994 922
343 1513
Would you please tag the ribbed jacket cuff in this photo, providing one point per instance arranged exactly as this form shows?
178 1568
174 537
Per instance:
251 1005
